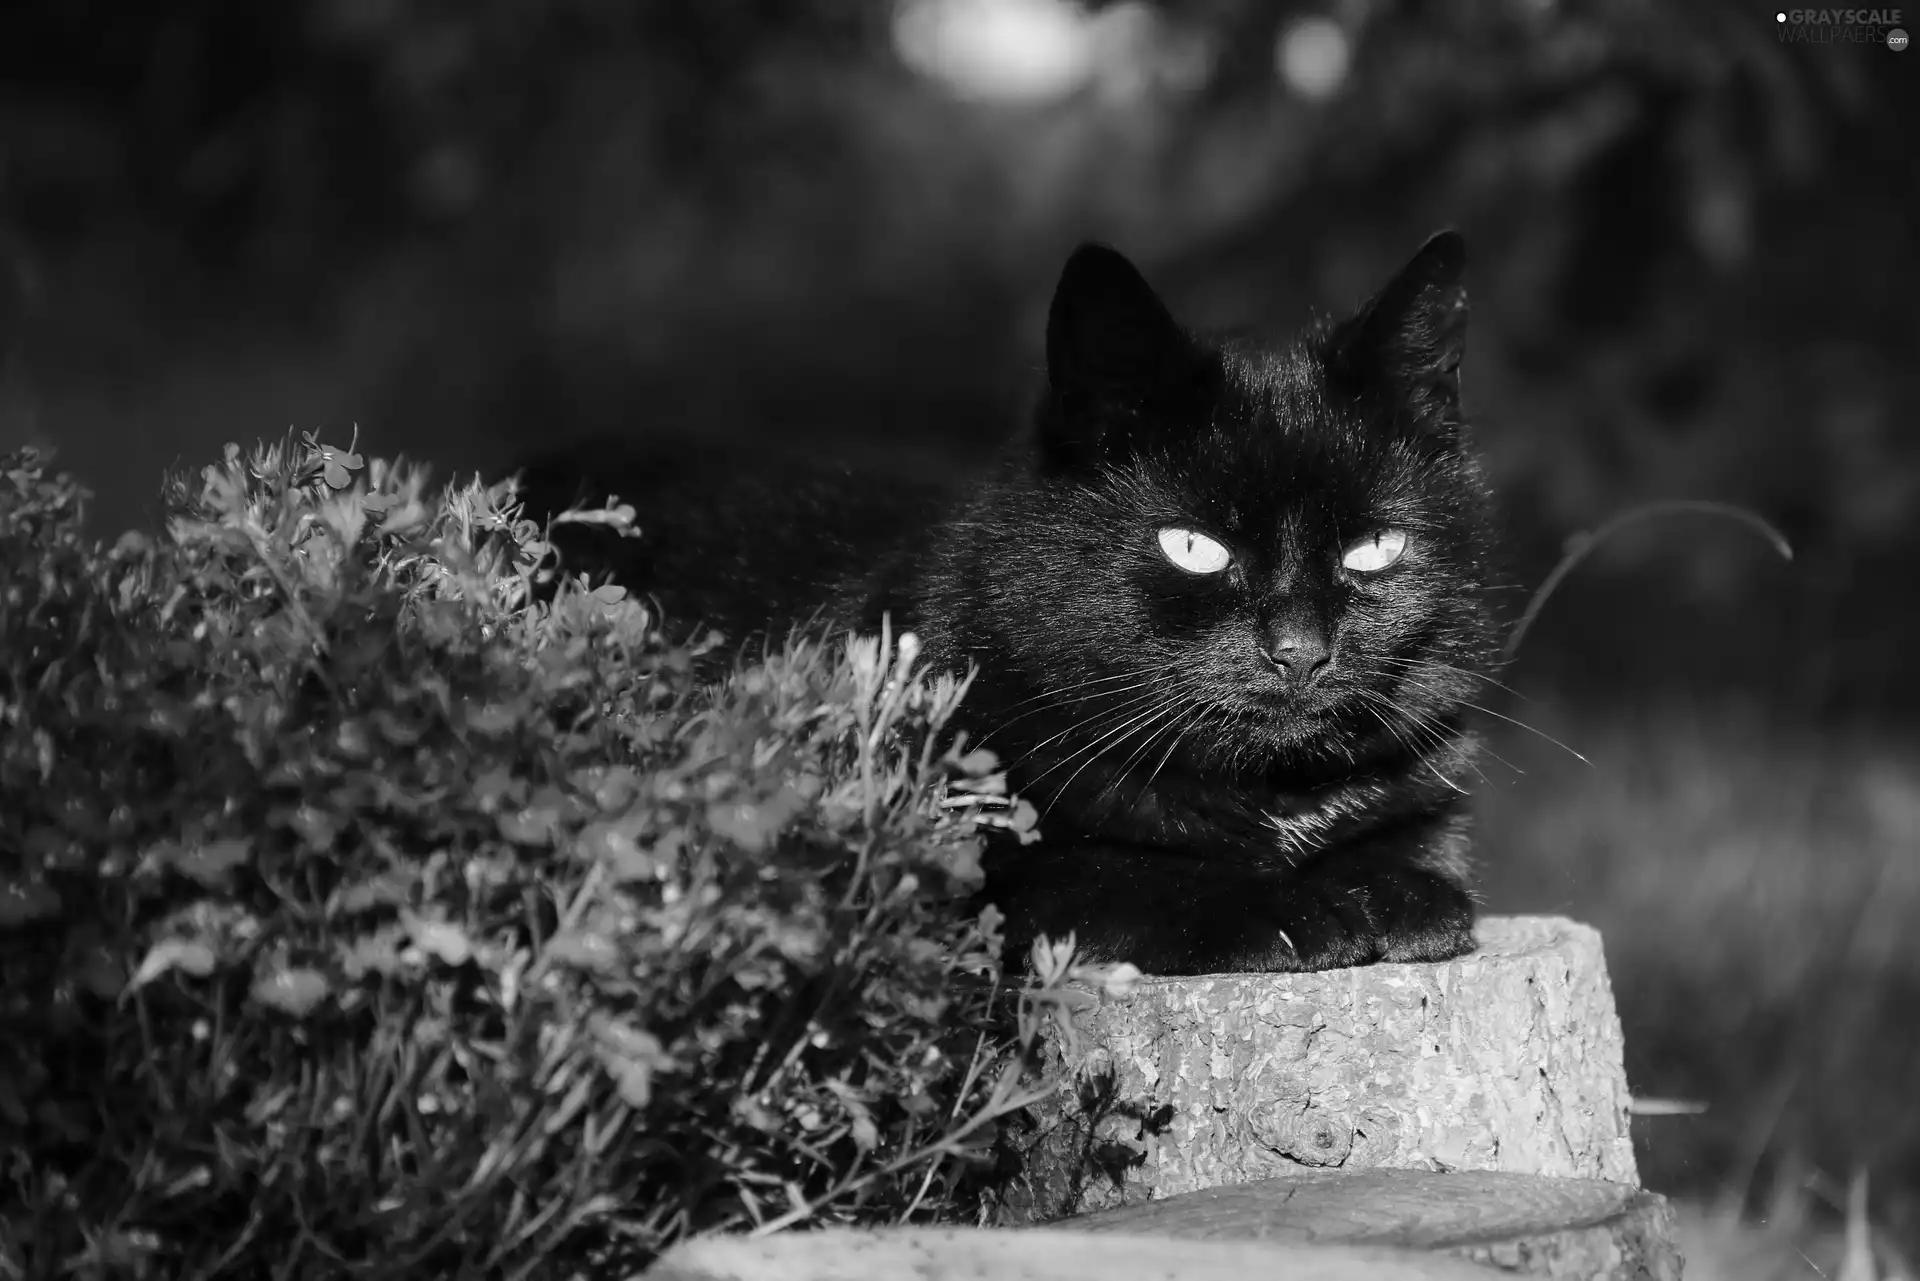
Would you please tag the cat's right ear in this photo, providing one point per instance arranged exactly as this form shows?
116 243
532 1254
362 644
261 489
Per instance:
1113 350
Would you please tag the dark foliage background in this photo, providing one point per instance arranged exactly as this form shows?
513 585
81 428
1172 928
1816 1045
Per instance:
471 226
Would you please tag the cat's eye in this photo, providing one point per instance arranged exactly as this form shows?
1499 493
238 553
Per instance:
1193 551
1376 551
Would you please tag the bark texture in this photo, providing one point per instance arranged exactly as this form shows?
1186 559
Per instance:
1508 1059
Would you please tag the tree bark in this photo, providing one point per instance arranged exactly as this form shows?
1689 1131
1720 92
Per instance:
1507 1059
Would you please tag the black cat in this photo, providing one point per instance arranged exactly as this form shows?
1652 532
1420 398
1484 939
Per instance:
1226 608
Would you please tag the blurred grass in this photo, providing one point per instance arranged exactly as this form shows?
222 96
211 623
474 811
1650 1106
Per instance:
1756 882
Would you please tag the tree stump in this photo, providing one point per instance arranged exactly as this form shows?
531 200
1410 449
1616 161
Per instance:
1507 1059
1572 1228
1393 1123
1041 1254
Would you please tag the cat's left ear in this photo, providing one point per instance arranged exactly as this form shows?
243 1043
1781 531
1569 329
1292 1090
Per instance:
1408 339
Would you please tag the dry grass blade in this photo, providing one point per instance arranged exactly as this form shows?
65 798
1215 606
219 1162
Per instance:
1582 544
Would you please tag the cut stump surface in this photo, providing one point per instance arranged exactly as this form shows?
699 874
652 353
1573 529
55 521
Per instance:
1041 1254
1571 1228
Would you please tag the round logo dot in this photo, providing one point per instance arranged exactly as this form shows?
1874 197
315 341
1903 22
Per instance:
1896 39
1780 17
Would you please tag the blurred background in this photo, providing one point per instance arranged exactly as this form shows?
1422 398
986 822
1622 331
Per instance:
473 228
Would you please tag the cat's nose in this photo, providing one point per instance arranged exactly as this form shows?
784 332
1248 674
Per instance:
1298 651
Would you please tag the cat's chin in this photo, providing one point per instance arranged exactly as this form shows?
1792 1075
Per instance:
1294 727
1308 731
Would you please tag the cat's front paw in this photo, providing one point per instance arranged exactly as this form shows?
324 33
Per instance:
1357 916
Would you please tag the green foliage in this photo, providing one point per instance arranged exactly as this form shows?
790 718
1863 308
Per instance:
363 914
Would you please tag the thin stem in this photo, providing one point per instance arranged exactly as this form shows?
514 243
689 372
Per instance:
1583 543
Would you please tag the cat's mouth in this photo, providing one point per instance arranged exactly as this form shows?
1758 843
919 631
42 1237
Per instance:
1296 717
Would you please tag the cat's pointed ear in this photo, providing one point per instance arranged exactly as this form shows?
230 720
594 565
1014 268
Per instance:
1113 348
1408 339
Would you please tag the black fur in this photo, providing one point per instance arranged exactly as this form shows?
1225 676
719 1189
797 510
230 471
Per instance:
1261 768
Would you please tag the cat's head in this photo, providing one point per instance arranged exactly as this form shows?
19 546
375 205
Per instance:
1287 539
